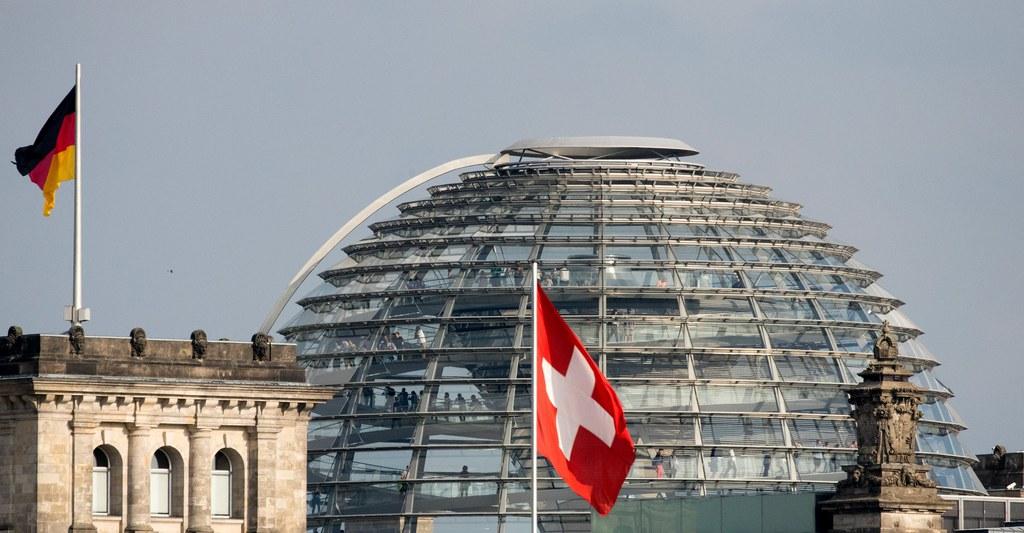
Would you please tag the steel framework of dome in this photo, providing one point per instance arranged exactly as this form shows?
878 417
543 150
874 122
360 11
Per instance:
727 323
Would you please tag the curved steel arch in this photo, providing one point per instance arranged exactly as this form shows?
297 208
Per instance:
357 221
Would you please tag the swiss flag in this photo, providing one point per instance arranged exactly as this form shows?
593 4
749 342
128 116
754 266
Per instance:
580 425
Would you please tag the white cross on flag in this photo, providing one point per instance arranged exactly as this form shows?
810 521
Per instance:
581 429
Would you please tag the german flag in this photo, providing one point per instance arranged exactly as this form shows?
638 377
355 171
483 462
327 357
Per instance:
51 159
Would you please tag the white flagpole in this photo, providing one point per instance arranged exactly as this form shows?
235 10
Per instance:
76 301
534 370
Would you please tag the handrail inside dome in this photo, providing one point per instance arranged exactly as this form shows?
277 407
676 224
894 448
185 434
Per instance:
357 221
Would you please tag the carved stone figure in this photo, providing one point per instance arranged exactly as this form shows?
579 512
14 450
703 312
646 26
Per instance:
886 347
76 339
198 344
138 342
10 346
261 347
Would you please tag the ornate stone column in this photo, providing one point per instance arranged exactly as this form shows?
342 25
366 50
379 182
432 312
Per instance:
199 471
83 432
886 491
138 479
262 475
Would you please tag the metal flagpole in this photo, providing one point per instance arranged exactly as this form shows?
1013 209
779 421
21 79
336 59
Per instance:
76 301
534 370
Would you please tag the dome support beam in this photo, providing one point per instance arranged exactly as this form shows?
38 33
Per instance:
357 221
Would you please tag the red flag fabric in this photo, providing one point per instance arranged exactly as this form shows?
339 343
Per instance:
581 428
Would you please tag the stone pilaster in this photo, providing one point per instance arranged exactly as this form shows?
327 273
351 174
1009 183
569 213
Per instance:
6 471
83 433
138 479
262 475
199 466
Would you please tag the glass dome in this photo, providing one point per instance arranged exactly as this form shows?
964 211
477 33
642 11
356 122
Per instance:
728 324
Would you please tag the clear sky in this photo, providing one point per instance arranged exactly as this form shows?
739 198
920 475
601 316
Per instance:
224 141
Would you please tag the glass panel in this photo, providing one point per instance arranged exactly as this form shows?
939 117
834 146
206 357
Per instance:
462 463
935 439
569 275
821 465
649 304
822 433
388 399
664 463
760 254
379 432
711 279
716 306
939 411
220 486
849 311
472 430
662 430
648 366
787 308
159 493
636 253
426 306
478 366
730 463
479 335
949 473
725 336
816 369
495 276
336 341
669 397
798 338
395 368
475 496
828 283
574 304
631 276
571 230
807 400
731 366
486 305
625 332
568 253
701 253
438 278
854 340
470 397
100 491
764 279
362 498
503 252
632 230
375 465
741 430
736 399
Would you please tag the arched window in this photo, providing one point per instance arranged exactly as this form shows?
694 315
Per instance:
100 483
160 484
227 484
221 485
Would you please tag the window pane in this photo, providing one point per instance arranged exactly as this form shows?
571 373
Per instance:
630 276
716 306
741 430
804 400
731 366
725 336
822 433
159 493
796 338
816 369
221 498
791 308
820 465
665 430
669 397
711 279
736 399
651 304
730 463
100 491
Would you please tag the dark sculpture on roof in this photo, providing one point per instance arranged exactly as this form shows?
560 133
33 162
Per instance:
261 347
137 339
198 344
76 339
10 346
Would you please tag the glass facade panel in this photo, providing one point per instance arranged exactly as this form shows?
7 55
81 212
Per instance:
747 399
725 336
802 368
741 431
667 397
731 367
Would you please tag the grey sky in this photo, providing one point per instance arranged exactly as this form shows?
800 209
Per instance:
227 140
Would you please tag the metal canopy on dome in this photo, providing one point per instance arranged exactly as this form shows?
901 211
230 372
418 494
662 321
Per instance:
601 148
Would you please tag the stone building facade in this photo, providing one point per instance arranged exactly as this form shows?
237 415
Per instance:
103 434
